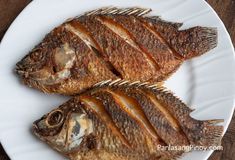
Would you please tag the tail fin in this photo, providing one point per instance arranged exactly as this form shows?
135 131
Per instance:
210 134
187 43
195 41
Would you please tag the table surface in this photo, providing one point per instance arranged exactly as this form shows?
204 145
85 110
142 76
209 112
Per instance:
9 9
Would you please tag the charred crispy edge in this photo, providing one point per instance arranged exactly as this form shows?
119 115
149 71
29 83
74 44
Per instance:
80 31
136 11
210 134
100 111
128 37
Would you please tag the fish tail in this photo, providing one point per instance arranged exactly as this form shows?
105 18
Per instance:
184 44
195 41
210 134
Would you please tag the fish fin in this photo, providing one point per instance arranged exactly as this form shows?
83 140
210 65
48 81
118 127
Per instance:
211 134
135 11
137 84
160 83
202 39
189 43
111 82
214 121
203 133
164 90
101 83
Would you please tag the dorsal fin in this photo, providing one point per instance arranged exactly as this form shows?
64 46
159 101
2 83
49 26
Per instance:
137 84
135 11
145 85
122 82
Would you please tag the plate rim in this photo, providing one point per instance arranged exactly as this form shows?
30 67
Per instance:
202 1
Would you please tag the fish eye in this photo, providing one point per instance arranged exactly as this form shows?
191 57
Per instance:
55 118
36 55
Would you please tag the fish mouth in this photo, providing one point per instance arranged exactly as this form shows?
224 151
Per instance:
19 69
35 130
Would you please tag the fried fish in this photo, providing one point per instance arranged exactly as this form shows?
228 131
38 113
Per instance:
111 43
124 121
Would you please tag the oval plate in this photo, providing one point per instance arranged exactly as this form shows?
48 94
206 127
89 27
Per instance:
206 83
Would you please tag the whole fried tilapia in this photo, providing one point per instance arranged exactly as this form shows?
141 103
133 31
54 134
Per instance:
111 43
124 121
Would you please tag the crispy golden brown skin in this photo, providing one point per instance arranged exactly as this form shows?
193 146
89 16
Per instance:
124 121
111 43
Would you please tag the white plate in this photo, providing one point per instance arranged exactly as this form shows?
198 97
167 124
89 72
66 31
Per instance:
207 83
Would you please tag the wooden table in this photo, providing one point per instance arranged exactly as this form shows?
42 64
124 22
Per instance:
9 9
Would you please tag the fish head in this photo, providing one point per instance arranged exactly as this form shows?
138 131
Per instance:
65 130
47 64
